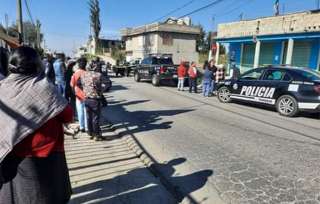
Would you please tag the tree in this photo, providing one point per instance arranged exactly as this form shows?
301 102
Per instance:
201 39
95 21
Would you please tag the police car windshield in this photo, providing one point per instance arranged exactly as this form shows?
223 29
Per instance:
309 74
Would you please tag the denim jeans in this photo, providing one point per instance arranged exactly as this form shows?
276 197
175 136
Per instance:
212 86
193 85
93 108
61 87
206 88
181 83
81 113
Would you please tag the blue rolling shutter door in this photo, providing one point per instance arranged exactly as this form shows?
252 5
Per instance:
301 53
266 54
247 57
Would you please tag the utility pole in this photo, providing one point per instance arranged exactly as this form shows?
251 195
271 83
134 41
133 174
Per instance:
6 18
20 21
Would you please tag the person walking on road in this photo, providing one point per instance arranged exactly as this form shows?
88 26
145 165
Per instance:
60 71
192 72
182 72
207 80
33 164
80 96
93 83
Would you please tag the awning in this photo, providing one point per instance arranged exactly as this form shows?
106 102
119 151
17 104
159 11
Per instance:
12 42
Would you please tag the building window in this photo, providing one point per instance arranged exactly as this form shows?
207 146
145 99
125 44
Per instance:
167 39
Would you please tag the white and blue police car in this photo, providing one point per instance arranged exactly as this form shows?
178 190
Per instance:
289 89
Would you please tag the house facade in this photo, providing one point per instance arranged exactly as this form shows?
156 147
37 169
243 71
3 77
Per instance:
292 39
175 37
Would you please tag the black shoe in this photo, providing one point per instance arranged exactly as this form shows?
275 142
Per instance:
82 130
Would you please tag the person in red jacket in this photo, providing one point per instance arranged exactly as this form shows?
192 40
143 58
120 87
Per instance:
193 73
33 165
182 72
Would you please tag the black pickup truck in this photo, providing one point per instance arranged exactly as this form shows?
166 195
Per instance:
157 69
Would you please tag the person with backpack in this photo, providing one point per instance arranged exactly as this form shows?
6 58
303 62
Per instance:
193 72
78 91
182 72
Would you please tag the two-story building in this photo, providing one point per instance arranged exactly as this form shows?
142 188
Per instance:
175 37
292 39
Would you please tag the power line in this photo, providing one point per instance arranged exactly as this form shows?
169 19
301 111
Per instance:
202 8
175 10
235 8
29 12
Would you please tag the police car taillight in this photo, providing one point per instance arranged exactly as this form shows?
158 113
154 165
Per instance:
317 88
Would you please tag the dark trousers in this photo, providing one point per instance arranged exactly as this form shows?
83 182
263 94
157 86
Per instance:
93 110
193 85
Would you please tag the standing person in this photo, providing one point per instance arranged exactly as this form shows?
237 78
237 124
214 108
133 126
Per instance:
80 96
48 68
214 71
192 72
59 71
207 79
182 72
33 163
69 95
220 74
93 83
3 63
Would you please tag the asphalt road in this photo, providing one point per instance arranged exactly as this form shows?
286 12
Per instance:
243 153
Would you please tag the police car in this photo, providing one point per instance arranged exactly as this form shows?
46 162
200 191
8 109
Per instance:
289 89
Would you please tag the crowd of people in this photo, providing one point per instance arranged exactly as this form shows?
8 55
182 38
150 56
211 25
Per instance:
211 75
33 114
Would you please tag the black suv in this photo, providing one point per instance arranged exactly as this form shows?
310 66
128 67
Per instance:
157 69
289 89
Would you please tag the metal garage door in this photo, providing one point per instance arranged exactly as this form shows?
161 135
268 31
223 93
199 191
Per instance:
247 58
301 53
266 54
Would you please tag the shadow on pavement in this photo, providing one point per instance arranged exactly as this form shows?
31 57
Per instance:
138 121
136 186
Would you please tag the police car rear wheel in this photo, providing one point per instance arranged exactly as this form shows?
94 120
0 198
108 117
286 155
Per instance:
136 77
224 95
287 106
155 80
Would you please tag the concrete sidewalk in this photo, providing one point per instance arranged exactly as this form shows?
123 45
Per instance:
109 172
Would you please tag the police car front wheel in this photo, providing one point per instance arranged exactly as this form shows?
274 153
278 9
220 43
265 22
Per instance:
287 106
224 95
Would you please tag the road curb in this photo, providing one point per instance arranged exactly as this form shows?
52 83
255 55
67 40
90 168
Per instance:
150 162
